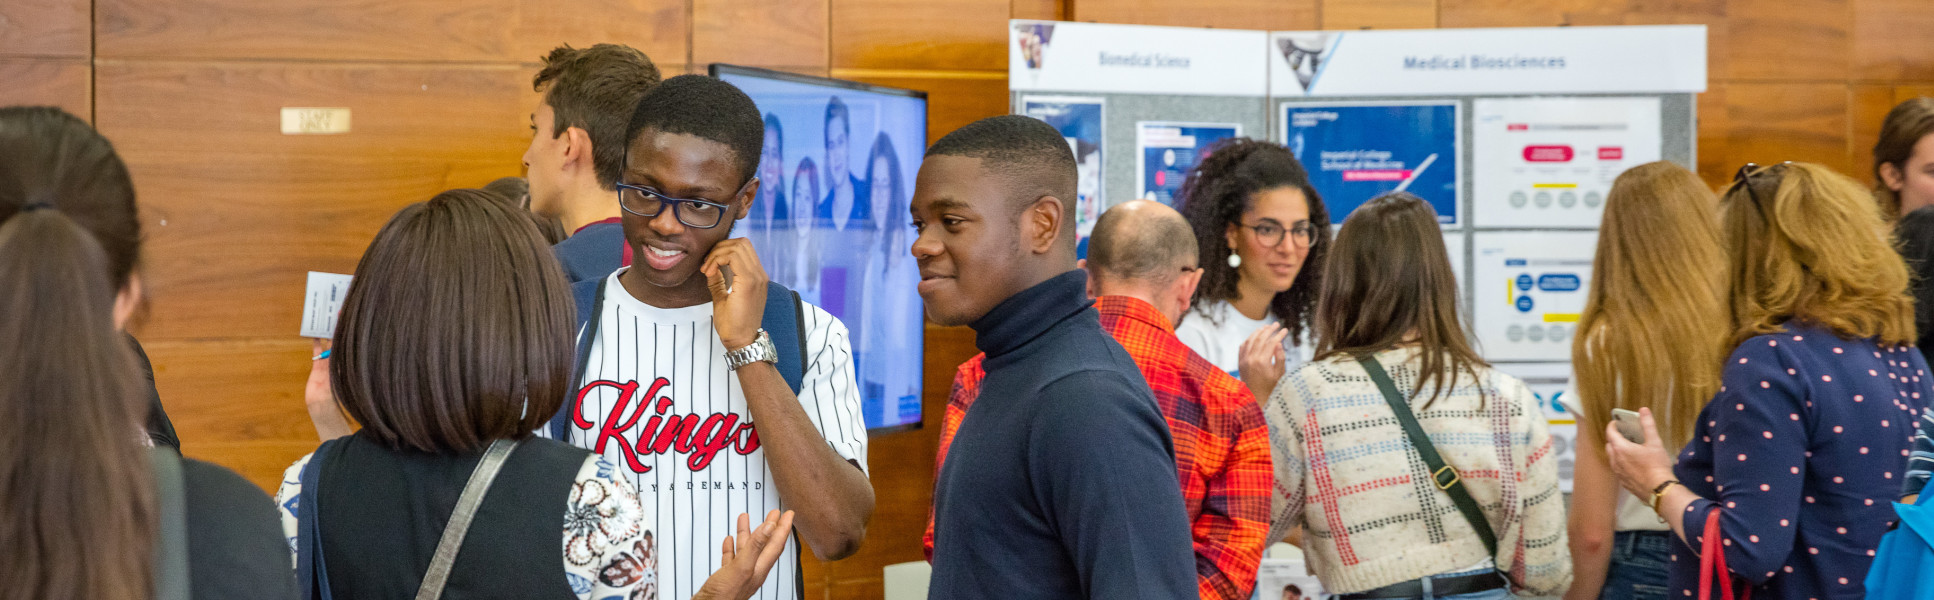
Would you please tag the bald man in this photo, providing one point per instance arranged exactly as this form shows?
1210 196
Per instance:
1142 272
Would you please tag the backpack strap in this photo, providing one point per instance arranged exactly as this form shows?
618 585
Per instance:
312 573
171 541
1443 475
454 531
589 297
785 323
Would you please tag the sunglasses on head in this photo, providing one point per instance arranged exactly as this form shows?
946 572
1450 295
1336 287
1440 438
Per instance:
1744 179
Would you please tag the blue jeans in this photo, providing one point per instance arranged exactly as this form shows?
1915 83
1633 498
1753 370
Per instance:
1638 570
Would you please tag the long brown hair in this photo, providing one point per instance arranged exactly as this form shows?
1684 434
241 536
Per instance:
76 493
1400 284
1214 196
1807 244
1654 329
457 329
1904 127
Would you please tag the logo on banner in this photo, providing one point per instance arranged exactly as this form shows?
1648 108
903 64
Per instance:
1305 54
1034 42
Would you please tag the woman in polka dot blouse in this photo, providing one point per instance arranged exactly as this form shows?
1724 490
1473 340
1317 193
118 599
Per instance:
1805 446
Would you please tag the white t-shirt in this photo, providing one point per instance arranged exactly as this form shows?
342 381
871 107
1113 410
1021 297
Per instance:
694 486
1633 513
1216 331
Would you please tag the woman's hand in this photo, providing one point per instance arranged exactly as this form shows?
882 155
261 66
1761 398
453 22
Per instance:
746 563
1640 467
1260 360
320 398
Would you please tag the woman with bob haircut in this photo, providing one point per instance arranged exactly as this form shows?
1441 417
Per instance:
86 507
1262 231
1380 522
455 343
1801 452
1652 335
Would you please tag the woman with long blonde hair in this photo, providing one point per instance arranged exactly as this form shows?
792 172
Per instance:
1653 334
1797 458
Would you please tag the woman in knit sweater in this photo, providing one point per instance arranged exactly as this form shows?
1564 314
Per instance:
1377 526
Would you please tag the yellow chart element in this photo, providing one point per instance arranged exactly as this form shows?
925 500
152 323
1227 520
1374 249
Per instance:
1561 317
1558 186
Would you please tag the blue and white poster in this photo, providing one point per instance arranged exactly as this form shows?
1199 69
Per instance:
1357 150
1080 121
1169 150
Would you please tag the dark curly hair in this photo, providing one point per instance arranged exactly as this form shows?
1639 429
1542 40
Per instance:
1219 189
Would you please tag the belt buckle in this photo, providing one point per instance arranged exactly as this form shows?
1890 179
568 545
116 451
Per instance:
1437 477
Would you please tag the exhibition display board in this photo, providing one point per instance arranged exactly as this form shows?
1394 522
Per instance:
1513 135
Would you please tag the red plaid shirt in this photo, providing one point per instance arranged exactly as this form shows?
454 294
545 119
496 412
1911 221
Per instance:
1221 444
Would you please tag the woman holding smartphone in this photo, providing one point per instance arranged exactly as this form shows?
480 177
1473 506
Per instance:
1652 335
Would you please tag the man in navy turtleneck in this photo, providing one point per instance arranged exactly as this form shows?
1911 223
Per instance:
1060 482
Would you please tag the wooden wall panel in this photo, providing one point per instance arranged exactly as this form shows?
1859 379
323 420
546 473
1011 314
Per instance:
1787 40
45 28
61 82
391 30
1226 14
1379 14
1891 41
1771 122
1529 13
1867 106
764 33
953 99
937 34
241 211
1049 10
237 403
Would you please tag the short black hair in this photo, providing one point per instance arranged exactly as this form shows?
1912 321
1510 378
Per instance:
837 108
706 108
778 131
591 89
1031 155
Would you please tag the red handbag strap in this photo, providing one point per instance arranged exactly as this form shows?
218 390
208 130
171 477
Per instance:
1712 562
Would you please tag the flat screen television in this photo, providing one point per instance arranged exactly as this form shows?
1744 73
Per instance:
830 220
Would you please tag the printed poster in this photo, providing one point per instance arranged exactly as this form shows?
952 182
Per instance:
1355 151
1168 150
1286 579
1080 121
1549 382
1548 162
1530 289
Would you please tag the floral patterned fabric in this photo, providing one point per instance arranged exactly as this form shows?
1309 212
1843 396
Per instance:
608 548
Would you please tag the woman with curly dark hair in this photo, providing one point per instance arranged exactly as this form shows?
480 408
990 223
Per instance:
1262 232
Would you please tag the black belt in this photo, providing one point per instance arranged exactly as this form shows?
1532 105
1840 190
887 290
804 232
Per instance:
1439 587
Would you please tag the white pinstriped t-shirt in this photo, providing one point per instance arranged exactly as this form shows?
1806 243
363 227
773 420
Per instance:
659 402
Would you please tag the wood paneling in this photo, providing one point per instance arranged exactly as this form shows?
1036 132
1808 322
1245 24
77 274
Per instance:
1786 40
1528 13
764 33
238 211
1891 41
1048 10
1771 122
1379 14
47 81
953 99
935 34
392 30
1867 106
45 28
237 402
1226 14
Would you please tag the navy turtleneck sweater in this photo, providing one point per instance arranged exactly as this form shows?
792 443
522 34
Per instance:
1061 480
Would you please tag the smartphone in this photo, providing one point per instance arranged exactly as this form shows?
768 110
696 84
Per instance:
1628 425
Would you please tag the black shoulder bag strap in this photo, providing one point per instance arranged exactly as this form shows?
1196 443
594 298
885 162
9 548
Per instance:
1445 476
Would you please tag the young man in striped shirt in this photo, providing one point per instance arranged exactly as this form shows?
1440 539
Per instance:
677 368
1142 273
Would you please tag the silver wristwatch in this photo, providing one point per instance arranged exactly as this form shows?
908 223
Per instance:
760 350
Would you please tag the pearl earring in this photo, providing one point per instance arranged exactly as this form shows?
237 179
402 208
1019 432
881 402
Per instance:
1235 260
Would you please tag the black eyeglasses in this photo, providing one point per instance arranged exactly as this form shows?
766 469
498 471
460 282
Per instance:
1271 233
1744 179
693 212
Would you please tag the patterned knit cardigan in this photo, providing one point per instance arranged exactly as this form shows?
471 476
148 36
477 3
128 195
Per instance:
1372 517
